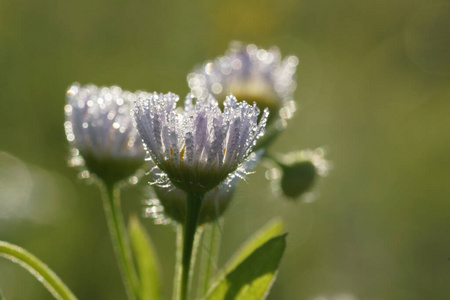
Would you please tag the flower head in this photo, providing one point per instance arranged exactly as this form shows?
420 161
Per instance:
199 147
99 127
251 74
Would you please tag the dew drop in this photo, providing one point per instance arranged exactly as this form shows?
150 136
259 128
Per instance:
273 174
133 180
85 174
68 109
216 88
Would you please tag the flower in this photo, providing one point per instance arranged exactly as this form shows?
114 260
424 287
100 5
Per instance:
169 205
100 129
251 74
199 147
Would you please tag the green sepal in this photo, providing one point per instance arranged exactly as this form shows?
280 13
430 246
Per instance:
146 261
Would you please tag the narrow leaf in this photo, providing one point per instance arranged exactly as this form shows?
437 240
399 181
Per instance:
37 268
253 277
270 230
1 295
146 260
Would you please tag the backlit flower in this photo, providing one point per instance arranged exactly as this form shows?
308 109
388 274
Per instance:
251 74
100 129
198 147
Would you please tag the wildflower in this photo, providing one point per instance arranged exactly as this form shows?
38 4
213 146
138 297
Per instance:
199 147
298 172
100 129
169 205
251 74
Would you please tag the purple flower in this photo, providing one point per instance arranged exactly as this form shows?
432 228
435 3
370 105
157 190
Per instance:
251 74
100 129
199 147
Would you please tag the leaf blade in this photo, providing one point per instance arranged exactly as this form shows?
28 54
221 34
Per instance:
253 277
273 228
146 260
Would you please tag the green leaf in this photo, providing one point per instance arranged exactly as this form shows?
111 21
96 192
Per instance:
271 229
253 277
1 295
146 260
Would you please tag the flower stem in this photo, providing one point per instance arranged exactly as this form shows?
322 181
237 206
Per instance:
193 206
36 267
121 245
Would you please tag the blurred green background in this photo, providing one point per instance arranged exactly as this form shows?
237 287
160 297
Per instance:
373 88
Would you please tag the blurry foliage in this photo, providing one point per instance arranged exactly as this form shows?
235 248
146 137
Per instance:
373 87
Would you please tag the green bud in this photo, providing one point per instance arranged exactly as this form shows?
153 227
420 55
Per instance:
298 178
297 172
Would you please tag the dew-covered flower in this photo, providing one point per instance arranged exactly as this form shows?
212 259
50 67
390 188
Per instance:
198 147
168 205
251 74
100 129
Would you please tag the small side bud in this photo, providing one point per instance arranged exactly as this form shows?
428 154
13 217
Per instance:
298 178
297 172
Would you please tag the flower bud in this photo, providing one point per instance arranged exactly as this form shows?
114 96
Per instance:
297 178
298 172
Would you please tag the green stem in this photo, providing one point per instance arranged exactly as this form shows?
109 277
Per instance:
274 157
121 245
193 206
36 267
